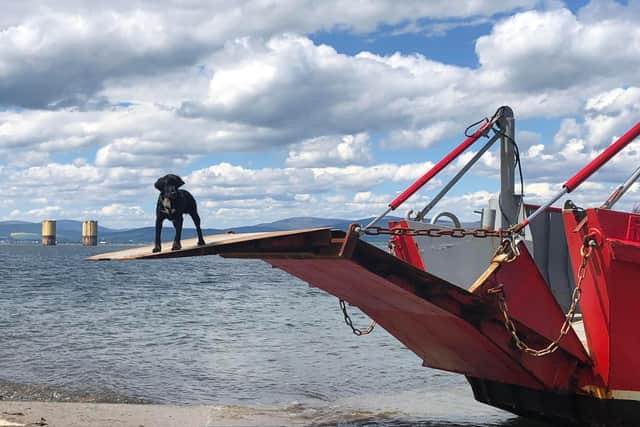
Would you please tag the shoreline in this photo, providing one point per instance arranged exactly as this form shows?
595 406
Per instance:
75 414
78 414
18 413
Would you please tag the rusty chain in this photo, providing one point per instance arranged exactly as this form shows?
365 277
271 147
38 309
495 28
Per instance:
585 253
509 244
438 232
431 232
349 322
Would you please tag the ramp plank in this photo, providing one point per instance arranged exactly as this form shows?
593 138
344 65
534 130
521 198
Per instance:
215 243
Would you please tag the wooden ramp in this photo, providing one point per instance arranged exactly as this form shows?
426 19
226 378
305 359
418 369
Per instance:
289 243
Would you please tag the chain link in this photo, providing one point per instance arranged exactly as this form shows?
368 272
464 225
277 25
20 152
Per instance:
438 232
349 322
432 232
585 253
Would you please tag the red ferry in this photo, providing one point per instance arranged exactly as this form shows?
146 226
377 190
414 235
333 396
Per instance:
536 308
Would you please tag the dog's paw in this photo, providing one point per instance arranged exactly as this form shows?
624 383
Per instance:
176 247
201 243
156 249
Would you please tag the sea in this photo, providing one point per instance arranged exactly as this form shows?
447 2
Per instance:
239 335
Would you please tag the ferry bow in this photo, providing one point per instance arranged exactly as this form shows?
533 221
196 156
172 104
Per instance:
541 318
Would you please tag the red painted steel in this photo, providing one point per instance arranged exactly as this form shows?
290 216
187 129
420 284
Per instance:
448 327
633 229
531 302
610 294
586 172
441 339
603 158
533 308
404 247
532 207
439 166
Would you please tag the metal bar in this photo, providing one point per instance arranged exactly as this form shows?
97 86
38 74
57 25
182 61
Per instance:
509 202
456 178
440 165
620 190
585 172
541 209
378 218
603 158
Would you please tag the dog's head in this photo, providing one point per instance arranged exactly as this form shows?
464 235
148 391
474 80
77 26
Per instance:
168 185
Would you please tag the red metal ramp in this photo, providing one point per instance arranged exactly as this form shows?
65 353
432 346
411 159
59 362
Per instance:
448 327
304 241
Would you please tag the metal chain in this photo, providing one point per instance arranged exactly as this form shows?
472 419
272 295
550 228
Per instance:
349 322
585 253
437 232
508 250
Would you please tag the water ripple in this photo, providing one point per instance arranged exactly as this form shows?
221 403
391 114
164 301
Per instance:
207 330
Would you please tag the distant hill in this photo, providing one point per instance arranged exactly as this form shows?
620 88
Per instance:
300 222
147 234
69 231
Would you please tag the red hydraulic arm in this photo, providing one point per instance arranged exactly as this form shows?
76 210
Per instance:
595 164
439 166
603 158
435 170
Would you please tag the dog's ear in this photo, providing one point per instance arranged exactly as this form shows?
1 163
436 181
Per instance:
175 180
160 184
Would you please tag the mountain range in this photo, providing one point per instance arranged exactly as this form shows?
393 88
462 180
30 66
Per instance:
69 231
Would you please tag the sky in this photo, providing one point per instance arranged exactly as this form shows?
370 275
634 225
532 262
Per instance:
274 109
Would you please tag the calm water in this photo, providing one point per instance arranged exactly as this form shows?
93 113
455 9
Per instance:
233 333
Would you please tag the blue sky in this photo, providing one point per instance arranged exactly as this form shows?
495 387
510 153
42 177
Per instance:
303 108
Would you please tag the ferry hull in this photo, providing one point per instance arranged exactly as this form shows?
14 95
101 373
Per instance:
609 297
557 407
448 327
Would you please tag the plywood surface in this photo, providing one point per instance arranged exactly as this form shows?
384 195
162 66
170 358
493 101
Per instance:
190 247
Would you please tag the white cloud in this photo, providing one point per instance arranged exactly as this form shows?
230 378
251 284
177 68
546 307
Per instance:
29 158
51 57
78 185
245 78
287 82
138 135
367 197
284 89
307 198
118 211
136 153
421 138
311 90
554 49
609 113
59 175
526 139
45 212
225 181
56 59
331 151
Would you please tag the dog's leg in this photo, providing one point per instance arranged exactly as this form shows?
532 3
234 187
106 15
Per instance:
196 220
177 223
157 247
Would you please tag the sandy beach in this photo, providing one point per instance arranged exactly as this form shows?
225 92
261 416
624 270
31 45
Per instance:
59 414
64 414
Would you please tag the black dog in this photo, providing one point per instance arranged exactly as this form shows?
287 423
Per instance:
172 204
